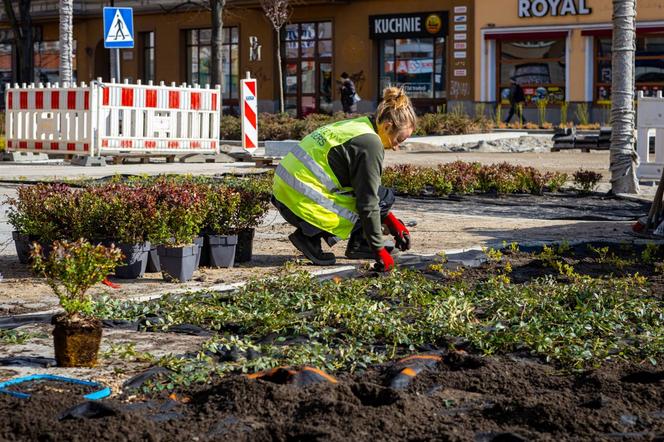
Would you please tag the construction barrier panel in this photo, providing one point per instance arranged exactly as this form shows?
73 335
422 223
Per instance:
249 110
113 118
649 123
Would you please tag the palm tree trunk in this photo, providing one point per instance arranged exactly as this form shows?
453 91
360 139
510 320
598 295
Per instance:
624 159
66 40
281 75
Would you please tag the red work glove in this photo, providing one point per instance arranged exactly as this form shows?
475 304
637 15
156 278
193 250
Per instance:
110 284
384 261
399 231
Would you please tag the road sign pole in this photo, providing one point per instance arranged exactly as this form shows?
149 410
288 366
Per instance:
115 65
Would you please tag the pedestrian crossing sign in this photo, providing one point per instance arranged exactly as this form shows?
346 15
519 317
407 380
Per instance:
118 28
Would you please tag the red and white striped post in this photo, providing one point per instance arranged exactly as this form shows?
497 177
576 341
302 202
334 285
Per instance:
249 114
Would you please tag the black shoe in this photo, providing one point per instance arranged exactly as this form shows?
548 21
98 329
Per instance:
358 248
310 247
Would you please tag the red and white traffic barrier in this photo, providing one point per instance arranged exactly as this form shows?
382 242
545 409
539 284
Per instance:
649 123
249 106
49 119
113 118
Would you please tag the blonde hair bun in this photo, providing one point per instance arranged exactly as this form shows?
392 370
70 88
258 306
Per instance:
396 97
396 109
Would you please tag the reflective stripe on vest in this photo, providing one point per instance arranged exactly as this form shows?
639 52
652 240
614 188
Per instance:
314 168
314 196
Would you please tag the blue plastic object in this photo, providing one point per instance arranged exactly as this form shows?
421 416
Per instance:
99 394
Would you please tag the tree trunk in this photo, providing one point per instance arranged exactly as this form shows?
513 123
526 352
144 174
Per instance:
281 75
216 66
23 40
624 159
66 40
26 53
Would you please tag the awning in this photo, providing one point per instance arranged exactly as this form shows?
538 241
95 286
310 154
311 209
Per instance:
608 32
526 35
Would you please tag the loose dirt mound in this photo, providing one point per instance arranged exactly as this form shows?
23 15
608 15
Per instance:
464 397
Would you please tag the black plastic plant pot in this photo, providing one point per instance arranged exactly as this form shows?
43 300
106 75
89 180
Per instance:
22 243
46 247
245 245
136 260
222 250
153 261
199 241
178 263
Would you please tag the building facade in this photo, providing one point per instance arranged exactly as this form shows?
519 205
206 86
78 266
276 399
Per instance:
377 42
560 51
445 53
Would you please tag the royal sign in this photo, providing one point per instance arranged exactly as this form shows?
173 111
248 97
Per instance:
553 8
424 24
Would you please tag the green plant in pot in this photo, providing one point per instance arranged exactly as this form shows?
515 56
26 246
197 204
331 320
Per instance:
222 204
70 270
122 215
255 195
42 213
179 216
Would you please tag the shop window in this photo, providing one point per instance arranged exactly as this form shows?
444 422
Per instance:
649 66
538 66
147 60
199 57
47 61
307 51
416 64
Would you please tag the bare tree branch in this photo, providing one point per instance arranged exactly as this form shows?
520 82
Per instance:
278 12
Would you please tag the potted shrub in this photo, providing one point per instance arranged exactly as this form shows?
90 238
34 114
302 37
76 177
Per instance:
178 219
42 213
254 203
122 215
70 270
222 203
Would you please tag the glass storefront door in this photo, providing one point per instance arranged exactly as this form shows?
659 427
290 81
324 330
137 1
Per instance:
417 65
307 54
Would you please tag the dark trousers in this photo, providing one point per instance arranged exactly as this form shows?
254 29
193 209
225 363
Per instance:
515 109
386 201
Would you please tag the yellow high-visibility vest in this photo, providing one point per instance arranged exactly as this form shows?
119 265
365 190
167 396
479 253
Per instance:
305 183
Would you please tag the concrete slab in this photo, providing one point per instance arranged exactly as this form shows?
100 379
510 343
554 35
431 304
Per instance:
86 161
201 159
420 143
28 158
279 148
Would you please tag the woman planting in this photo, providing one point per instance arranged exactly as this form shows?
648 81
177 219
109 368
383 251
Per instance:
329 187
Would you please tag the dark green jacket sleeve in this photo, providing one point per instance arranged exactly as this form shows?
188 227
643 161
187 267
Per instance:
358 163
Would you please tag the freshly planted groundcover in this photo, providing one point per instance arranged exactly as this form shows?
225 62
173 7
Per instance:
560 343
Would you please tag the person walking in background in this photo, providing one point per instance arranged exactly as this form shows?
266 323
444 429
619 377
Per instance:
517 101
329 187
348 94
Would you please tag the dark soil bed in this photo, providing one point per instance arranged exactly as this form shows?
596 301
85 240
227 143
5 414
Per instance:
461 396
505 398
